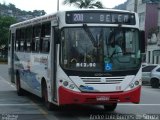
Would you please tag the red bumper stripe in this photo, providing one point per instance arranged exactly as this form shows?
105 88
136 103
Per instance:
71 97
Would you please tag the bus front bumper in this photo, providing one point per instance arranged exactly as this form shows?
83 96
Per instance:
71 97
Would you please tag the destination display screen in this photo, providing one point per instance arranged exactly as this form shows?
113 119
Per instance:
100 17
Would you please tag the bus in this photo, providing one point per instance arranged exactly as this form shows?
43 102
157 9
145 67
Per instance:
65 57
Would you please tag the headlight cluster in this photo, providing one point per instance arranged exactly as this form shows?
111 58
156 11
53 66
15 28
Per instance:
69 85
133 84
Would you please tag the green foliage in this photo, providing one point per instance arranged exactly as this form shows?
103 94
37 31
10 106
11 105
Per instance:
84 3
17 12
5 22
38 12
3 60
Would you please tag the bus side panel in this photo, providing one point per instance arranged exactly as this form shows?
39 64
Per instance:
32 68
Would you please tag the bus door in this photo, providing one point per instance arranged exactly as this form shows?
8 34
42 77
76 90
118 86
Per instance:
11 53
54 50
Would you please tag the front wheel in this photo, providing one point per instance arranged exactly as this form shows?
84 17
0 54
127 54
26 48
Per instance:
110 107
48 105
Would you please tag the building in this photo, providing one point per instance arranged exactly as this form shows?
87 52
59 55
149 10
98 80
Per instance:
132 5
149 18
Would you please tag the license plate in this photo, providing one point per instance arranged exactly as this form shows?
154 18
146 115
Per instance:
102 98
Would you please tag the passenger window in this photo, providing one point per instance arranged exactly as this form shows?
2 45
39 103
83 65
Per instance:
45 37
28 38
36 38
17 43
22 39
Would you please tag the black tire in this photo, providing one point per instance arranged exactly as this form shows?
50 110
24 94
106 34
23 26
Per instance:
110 107
155 83
47 104
20 91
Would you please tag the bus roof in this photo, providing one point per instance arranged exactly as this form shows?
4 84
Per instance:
44 18
109 10
49 17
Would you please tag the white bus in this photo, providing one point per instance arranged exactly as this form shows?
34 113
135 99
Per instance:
68 58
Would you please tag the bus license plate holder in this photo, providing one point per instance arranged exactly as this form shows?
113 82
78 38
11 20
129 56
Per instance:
103 98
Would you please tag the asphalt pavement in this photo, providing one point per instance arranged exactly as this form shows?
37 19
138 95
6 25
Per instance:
30 107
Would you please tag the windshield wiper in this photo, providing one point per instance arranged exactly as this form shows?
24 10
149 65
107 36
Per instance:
90 35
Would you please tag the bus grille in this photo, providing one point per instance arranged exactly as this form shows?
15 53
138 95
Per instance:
106 80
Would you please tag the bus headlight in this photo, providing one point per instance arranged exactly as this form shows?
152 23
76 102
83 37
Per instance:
71 86
65 83
131 85
136 83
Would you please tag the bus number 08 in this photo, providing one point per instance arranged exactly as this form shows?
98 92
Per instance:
78 17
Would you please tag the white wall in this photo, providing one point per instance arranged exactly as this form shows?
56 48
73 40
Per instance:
141 10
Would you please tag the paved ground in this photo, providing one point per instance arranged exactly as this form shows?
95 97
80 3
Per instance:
5 85
30 107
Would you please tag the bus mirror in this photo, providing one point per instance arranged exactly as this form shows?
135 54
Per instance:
142 41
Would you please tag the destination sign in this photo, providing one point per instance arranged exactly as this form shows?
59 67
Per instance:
100 17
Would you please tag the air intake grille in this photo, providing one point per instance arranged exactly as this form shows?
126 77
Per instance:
106 80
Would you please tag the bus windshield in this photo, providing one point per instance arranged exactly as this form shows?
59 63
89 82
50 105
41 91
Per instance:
100 49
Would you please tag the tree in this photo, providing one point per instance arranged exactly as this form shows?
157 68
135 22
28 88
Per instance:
12 6
5 22
39 12
84 3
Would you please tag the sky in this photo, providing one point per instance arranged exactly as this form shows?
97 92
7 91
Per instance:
50 6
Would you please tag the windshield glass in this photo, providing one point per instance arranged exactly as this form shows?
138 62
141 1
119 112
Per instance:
99 49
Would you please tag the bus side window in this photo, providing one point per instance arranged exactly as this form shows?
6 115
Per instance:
28 38
36 38
33 40
37 44
22 39
46 45
17 41
45 37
